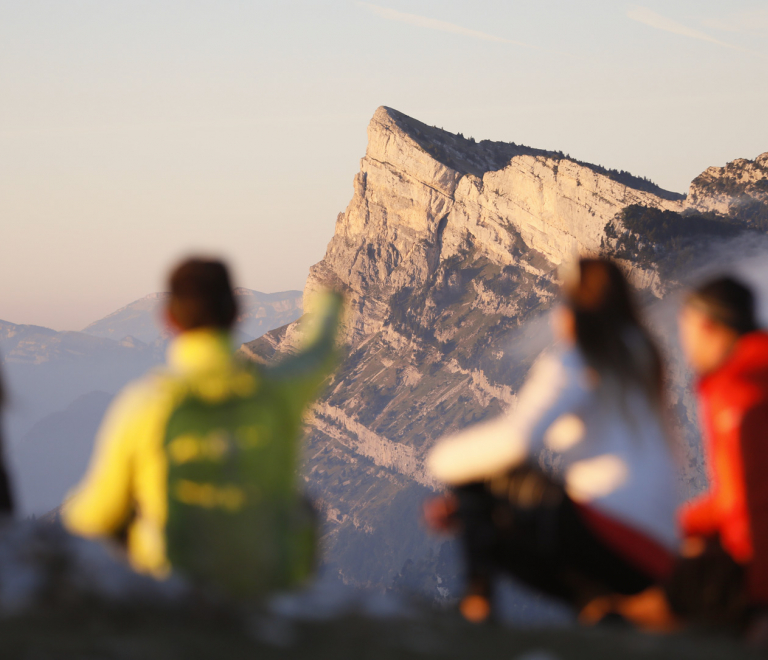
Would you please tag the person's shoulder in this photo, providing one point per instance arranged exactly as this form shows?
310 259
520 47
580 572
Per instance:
155 388
743 376
564 360
751 359
560 369
571 358
757 338
156 380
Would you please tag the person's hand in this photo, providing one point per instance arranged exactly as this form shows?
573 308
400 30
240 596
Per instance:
440 513
693 546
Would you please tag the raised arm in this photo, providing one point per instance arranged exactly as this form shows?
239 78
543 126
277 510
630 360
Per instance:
303 373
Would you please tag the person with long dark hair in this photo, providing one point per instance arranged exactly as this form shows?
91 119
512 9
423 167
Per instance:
573 492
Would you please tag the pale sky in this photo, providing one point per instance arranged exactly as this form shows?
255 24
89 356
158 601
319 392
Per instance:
133 132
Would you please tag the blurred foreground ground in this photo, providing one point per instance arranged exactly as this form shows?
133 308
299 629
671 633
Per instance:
64 598
146 635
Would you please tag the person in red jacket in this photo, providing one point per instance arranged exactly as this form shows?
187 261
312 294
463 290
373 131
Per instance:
729 355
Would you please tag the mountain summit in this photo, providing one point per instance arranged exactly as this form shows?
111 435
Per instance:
448 254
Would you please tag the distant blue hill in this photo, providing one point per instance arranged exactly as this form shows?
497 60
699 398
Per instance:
59 383
143 318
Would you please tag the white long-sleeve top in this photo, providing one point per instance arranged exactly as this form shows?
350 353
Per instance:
610 451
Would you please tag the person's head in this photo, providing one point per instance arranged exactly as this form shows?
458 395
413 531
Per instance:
201 296
600 316
711 321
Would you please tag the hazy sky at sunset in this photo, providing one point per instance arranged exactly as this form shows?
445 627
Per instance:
132 132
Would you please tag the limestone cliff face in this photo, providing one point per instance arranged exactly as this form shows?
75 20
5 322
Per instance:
448 254
422 195
736 190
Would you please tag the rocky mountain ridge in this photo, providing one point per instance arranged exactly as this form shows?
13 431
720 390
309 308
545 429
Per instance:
449 253
423 194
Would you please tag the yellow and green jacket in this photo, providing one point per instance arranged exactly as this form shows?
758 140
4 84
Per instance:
196 463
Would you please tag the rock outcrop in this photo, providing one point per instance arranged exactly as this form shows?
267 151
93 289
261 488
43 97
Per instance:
448 253
708 191
738 190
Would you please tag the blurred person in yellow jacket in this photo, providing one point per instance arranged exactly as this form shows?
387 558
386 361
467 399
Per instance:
195 464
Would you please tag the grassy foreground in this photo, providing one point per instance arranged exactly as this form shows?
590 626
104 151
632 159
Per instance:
149 634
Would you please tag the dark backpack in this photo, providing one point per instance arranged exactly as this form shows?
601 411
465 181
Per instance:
235 518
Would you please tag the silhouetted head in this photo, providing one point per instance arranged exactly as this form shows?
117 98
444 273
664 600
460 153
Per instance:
601 317
713 318
201 296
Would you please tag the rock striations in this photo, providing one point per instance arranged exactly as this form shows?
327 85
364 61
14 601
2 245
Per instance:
448 254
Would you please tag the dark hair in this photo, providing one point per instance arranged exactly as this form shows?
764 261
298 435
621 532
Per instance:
608 329
201 295
728 302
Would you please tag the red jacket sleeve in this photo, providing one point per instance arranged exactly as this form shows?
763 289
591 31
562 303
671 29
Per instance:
723 508
735 432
